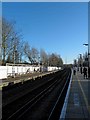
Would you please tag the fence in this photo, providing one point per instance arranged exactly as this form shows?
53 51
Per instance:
3 72
6 71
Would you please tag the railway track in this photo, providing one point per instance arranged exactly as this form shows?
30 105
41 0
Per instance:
46 97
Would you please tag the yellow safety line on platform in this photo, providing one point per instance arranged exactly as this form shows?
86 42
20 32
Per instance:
85 98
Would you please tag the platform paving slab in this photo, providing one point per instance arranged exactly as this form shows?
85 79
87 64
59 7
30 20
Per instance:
78 106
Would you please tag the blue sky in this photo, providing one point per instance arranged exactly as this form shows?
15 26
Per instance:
60 27
0 9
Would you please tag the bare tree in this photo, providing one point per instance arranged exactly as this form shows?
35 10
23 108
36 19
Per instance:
59 61
44 57
21 51
34 55
7 31
31 53
27 51
13 49
11 42
55 60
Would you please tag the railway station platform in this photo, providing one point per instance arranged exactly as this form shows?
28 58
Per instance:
77 101
22 78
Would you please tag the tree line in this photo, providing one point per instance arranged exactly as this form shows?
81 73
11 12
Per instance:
15 50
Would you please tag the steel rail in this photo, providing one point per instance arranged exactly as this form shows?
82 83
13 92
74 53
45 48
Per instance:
20 112
53 113
47 90
25 108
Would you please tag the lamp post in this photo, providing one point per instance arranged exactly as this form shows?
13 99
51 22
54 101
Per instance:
88 59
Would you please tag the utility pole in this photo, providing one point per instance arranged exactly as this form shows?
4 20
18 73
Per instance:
89 39
88 59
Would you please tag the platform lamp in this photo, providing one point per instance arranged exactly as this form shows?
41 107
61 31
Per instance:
88 60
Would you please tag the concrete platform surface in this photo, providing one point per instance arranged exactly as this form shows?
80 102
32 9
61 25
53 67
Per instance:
78 105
